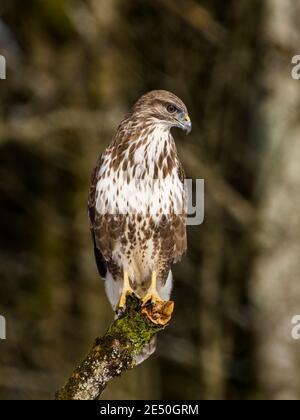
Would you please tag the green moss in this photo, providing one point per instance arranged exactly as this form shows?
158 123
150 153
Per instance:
111 354
133 328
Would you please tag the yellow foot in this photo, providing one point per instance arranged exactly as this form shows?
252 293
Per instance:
127 290
123 298
151 297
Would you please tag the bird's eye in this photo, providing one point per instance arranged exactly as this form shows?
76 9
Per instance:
171 108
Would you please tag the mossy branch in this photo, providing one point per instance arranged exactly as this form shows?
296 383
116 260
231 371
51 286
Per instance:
115 352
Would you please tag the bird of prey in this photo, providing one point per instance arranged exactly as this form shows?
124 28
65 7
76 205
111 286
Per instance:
137 202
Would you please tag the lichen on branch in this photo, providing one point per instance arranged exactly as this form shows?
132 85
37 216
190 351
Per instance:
115 351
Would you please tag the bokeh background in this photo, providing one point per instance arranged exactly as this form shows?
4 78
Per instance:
74 67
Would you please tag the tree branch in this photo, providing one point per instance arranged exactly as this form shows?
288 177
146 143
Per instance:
115 352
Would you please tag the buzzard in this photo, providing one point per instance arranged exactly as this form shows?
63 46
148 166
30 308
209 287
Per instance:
137 202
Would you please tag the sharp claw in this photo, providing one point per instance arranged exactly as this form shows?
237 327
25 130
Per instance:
150 300
122 303
148 303
120 311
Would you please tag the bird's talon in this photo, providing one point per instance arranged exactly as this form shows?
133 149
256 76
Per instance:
123 300
151 301
148 303
120 311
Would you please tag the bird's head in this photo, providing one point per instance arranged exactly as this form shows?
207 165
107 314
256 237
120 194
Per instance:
164 108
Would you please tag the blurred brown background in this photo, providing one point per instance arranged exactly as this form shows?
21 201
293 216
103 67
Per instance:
74 67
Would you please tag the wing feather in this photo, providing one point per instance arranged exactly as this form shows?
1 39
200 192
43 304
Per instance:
100 260
179 223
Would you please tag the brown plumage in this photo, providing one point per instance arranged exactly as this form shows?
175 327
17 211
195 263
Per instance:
137 201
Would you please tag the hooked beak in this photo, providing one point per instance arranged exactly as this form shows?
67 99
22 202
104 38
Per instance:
186 123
